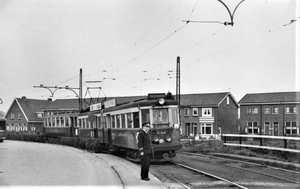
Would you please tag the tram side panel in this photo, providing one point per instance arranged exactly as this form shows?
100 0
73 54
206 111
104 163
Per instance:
125 138
57 131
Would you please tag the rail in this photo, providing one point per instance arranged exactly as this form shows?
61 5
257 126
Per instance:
281 143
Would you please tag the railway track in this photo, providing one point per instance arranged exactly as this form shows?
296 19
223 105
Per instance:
230 183
275 172
232 173
176 175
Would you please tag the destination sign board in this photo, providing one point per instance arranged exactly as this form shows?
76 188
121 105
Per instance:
110 103
95 107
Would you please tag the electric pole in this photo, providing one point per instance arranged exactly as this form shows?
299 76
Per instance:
178 86
80 90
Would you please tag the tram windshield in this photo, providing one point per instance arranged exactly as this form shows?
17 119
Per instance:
160 117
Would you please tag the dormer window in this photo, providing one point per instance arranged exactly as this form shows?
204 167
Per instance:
39 114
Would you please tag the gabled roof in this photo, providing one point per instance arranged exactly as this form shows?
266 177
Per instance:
73 104
30 107
271 98
205 99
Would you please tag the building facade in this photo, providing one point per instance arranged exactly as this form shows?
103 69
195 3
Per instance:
25 115
208 115
273 114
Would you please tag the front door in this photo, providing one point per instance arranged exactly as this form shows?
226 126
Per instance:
275 130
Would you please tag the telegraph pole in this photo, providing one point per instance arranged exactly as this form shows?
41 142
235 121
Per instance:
178 85
80 90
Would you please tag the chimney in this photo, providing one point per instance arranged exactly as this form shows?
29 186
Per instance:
49 99
24 98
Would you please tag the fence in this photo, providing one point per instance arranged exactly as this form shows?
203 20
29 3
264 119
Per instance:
281 143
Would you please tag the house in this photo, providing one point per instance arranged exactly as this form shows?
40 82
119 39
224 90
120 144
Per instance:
208 114
270 113
25 115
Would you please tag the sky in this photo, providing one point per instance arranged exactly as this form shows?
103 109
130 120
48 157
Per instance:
130 47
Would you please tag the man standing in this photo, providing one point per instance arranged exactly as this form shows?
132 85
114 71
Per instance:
144 145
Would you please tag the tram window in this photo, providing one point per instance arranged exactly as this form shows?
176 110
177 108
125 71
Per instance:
136 120
75 120
123 124
104 122
160 116
99 123
50 121
62 121
82 123
145 116
57 122
118 121
79 123
174 113
113 122
67 122
129 120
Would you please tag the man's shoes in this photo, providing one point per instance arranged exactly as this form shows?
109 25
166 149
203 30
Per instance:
146 179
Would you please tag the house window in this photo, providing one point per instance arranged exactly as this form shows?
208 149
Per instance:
206 128
186 112
12 115
195 111
228 100
252 110
291 110
252 127
188 128
275 110
267 110
19 116
291 128
206 112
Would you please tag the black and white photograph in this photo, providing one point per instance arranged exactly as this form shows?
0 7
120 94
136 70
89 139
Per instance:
150 94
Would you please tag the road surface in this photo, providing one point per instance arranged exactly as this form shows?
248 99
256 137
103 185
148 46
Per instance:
38 164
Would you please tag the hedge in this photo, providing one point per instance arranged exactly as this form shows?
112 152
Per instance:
89 144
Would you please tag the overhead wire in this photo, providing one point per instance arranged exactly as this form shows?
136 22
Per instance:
237 44
147 50
135 44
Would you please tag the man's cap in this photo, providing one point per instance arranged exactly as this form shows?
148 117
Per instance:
147 124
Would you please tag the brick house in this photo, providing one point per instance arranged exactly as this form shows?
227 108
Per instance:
208 115
270 113
25 115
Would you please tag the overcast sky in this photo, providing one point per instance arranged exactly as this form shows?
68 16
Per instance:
137 43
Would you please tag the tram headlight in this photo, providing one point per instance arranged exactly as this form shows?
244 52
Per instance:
161 101
156 139
168 139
